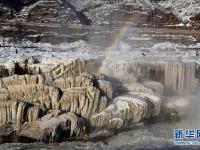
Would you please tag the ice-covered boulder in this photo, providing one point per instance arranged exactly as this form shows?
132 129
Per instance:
81 100
17 112
124 110
52 129
154 101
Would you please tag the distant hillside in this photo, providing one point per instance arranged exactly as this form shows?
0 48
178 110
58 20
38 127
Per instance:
99 12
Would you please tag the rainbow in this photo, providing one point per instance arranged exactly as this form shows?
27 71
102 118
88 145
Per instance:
114 43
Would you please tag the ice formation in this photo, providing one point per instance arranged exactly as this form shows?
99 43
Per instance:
48 98
52 128
128 109
176 77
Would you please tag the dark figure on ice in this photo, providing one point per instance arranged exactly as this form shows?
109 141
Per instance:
197 53
16 51
143 54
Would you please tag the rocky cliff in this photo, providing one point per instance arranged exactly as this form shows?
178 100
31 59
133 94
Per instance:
97 12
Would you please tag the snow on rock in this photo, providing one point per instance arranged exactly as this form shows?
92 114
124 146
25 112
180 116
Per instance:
154 102
80 5
184 9
124 109
58 68
128 109
69 11
155 86
51 129
30 49
47 96
82 101
21 80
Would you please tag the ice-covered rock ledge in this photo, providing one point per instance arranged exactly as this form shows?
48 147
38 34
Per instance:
56 99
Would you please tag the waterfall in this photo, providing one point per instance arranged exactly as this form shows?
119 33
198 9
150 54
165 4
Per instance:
177 77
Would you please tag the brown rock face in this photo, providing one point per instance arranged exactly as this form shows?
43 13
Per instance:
42 11
48 11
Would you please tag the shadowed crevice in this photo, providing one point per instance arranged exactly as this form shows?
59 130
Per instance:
80 15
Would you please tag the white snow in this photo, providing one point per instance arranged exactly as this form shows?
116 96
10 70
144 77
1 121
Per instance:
183 9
